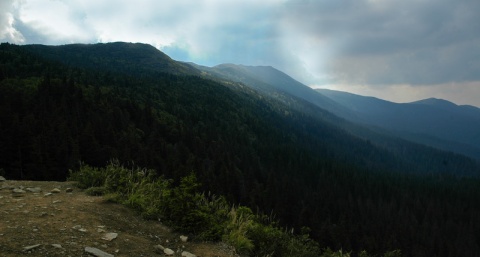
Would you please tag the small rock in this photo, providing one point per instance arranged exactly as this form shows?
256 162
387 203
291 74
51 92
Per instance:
56 201
47 194
187 254
55 191
69 190
97 252
57 246
17 192
168 252
34 189
7 187
43 214
2 179
110 236
82 230
159 248
184 238
28 248
99 230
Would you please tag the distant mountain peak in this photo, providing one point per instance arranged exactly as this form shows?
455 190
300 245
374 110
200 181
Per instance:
435 102
115 56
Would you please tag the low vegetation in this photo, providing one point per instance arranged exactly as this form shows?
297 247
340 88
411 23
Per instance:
204 215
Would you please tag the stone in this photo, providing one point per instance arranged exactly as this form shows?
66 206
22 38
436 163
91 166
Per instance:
57 246
69 190
184 238
55 191
2 179
159 248
110 236
97 252
47 194
7 187
168 252
77 227
33 189
188 254
30 247
17 192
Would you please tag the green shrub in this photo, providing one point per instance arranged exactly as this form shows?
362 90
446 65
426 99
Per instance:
395 253
87 177
239 223
95 191
207 217
330 253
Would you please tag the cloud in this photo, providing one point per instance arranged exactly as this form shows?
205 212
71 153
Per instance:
208 31
7 28
392 42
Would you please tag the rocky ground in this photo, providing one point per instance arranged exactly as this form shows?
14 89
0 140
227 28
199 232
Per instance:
40 218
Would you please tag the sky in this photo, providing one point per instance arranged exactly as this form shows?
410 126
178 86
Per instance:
396 50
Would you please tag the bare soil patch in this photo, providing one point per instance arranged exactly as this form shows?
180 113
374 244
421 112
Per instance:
64 223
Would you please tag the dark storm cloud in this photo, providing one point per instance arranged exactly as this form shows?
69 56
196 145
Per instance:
392 42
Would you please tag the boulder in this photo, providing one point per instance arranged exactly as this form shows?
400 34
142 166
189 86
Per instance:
30 247
109 236
159 248
168 252
97 252
2 179
33 189
188 254
17 192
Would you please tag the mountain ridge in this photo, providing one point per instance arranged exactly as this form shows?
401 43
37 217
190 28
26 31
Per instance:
116 56
440 119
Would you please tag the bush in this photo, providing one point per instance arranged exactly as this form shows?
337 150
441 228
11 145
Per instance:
95 191
239 223
88 177
208 217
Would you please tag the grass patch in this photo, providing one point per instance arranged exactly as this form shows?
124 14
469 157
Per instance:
206 216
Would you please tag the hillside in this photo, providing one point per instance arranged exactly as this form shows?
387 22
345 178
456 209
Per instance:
275 154
272 81
39 223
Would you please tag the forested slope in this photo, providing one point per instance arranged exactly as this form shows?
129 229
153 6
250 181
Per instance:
242 144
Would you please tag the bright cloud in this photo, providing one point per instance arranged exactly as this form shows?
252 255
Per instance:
7 28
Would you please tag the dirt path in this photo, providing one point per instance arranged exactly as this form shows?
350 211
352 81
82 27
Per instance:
64 223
